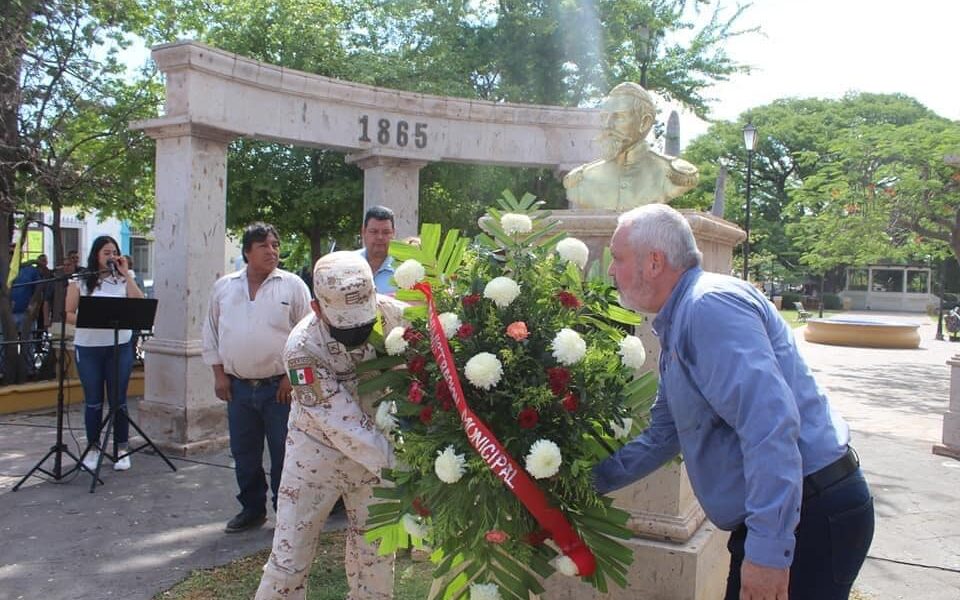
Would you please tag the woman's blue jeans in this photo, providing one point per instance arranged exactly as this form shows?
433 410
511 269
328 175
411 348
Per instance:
97 370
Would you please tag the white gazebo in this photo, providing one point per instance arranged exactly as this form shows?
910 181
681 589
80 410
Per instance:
889 287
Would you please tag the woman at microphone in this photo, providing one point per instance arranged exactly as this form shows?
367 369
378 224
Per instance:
106 275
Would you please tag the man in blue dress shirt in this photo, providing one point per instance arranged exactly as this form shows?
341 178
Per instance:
378 229
767 457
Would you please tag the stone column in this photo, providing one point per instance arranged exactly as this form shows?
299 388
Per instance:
678 554
394 183
180 412
951 418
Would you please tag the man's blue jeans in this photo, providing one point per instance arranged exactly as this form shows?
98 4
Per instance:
98 373
253 414
835 531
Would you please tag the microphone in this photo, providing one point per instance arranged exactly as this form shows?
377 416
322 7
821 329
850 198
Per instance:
112 265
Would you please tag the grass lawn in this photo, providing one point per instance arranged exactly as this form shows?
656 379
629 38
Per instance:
790 315
239 580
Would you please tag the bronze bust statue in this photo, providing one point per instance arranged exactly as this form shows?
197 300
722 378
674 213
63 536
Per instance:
629 173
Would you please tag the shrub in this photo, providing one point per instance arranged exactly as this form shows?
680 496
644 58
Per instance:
832 302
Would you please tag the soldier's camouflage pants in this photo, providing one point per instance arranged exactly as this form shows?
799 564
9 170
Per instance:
314 476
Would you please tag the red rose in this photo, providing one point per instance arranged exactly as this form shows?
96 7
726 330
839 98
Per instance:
470 300
568 300
417 365
420 508
415 393
495 536
535 538
558 379
528 418
426 415
465 331
442 392
570 402
412 335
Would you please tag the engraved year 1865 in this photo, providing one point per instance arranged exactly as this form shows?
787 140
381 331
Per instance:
399 132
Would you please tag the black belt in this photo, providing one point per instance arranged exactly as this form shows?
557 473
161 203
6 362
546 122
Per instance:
259 382
831 474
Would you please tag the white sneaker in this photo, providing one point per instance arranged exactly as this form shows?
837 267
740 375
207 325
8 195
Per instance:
90 460
122 465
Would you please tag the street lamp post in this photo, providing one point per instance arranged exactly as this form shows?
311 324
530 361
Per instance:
943 275
750 141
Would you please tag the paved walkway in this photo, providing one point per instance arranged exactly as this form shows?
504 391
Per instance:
146 528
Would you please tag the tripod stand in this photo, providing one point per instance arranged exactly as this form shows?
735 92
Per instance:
102 312
59 448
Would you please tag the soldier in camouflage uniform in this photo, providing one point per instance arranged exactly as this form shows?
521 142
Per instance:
333 446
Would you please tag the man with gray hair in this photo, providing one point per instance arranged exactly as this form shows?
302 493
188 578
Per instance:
767 457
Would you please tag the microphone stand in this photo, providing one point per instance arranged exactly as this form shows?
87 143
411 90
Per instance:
59 448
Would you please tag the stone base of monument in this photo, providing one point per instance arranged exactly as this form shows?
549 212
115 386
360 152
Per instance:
691 570
951 419
180 434
715 236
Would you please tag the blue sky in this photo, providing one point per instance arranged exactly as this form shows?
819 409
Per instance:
825 48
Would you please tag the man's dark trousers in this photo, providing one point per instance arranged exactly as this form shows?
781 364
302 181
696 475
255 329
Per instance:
835 531
253 414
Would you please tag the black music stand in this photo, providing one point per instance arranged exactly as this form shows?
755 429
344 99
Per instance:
59 448
104 312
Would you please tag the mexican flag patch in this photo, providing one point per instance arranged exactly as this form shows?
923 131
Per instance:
302 376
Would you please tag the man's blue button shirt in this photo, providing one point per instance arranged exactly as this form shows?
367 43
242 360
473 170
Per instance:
738 400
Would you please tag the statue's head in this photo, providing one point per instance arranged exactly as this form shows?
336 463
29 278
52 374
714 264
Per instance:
628 114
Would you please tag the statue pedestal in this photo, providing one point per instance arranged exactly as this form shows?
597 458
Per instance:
716 237
678 554
951 419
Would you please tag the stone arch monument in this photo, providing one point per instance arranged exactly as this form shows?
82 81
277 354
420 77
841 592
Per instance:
214 97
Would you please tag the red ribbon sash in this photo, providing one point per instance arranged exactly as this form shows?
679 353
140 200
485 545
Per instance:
495 455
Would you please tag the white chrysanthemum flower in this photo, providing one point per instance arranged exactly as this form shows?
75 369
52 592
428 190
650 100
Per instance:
573 250
568 347
544 459
514 223
484 591
394 342
632 352
415 526
450 323
483 370
622 432
565 565
409 273
449 466
384 418
502 290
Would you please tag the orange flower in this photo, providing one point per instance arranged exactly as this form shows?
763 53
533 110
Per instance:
518 330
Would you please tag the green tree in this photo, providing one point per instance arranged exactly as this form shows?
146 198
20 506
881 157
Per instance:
66 104
838 182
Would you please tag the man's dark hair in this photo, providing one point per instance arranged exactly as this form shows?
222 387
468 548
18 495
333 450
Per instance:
380 213
257 232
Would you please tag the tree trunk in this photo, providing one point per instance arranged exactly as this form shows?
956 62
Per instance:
15 19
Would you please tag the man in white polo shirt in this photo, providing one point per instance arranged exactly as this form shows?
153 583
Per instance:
251 313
